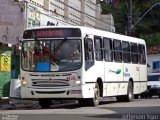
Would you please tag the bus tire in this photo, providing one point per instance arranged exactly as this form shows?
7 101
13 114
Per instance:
136 96
149 96
120 98
83 102
130 95
143 96
45 103
96 99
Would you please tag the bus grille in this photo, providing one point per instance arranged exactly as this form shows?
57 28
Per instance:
50 83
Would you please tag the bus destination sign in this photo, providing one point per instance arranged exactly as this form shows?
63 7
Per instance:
52 33
49 33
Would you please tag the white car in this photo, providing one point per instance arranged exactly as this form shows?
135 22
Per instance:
153 85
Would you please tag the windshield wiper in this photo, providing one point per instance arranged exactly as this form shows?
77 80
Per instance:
60 44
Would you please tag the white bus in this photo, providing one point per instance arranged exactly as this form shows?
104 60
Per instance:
81 63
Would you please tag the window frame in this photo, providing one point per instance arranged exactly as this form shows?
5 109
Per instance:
98 48
90 61
134 54
142 54
126 53
117 52
108 52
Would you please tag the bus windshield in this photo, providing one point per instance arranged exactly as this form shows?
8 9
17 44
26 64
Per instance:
46 55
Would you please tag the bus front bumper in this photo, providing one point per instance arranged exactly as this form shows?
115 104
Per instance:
35 93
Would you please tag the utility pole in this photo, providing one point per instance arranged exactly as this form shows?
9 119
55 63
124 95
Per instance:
129 17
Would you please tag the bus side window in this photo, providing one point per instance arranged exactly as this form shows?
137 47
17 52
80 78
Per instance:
108 54
134 53
98 48
142 56
126 52
89 56
117 50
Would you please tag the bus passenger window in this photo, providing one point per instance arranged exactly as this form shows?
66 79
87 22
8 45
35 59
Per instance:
98 48
89 56
134 53
117 50
142 56
108 55
126 52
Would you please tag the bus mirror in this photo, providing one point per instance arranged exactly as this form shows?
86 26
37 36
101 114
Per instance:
86 36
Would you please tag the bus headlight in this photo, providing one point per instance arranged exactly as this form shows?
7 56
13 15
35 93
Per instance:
24 82
78 82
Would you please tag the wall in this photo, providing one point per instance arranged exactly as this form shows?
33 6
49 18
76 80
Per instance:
71 12
38 16
11 29
11 22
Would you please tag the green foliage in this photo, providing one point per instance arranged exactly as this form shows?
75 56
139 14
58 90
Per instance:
147 28
151 39
119 14
149 24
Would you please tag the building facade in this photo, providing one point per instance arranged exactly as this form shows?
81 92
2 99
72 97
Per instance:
67 12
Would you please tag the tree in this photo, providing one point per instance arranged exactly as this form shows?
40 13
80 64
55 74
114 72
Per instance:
150 24
148 28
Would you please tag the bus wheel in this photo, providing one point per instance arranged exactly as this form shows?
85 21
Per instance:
130 95
136 96
95 101
149 96
120 98
83 102
45 103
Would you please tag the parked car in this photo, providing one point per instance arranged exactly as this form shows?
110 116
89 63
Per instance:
153 85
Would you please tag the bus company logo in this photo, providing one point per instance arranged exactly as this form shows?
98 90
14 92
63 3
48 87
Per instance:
126 69
126 73
50 80
137 68
118 71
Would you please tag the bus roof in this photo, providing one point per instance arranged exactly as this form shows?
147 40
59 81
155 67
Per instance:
97 32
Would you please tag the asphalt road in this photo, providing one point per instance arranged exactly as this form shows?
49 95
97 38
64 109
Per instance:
139 109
